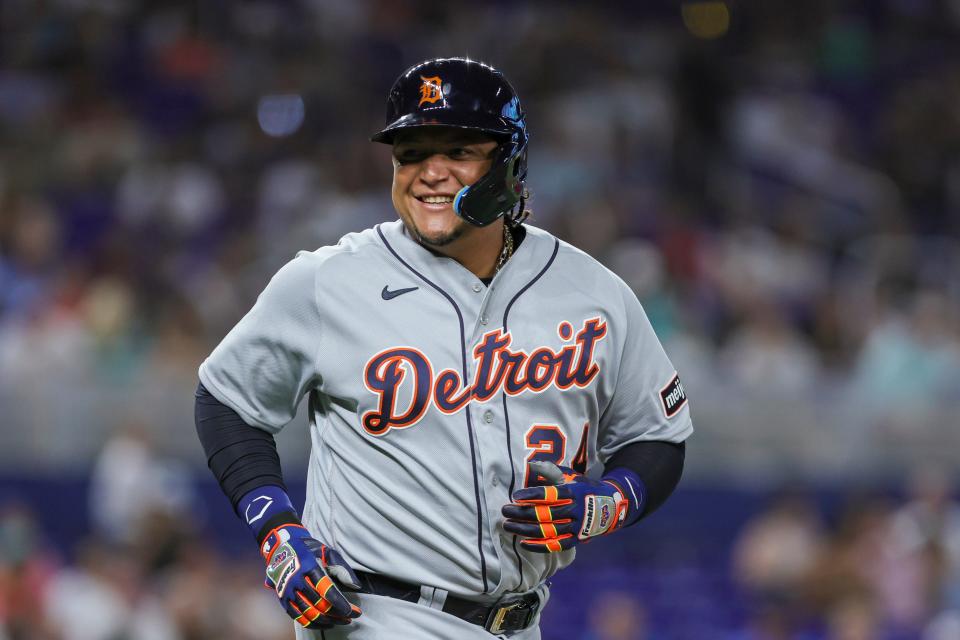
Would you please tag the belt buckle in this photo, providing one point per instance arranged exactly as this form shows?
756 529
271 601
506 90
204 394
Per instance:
498 614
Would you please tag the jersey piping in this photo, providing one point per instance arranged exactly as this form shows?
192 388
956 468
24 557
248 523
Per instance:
506 413
463 352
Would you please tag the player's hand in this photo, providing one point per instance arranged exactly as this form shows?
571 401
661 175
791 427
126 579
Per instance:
570 509
302 571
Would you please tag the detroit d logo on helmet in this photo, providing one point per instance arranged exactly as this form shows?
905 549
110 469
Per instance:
431 90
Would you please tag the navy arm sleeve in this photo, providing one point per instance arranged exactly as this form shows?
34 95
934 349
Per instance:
658 464
241 457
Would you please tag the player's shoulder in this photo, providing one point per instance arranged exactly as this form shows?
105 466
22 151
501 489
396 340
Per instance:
352 248
309 270
575 269
565 251
569 256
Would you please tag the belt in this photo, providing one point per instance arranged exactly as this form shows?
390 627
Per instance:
509 614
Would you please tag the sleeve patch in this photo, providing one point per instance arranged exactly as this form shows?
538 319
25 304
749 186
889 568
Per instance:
673 397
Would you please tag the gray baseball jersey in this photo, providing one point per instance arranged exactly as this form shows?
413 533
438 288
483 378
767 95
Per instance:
429 394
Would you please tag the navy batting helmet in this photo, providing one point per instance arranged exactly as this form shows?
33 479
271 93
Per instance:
463 93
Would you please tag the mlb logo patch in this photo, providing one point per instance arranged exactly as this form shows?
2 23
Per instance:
673 397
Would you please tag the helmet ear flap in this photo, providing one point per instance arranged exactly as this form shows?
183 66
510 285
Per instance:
496 193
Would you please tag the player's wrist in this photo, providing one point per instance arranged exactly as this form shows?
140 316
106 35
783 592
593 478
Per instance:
628 484
266 509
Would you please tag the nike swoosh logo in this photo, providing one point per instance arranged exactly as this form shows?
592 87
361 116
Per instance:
386 294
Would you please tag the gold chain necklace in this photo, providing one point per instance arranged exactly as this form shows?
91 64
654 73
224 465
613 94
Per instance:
507 250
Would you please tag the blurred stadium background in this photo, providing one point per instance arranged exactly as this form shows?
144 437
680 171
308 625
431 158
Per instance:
779 182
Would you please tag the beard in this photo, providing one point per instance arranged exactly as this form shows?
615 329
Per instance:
439 238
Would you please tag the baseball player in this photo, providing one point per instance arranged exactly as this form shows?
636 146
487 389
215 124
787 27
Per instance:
482 396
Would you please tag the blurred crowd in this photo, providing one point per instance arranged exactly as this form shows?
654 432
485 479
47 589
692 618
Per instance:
148 569
796 565
883 569
779 182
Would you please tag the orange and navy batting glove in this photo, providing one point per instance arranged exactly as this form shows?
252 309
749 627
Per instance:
572 508
304 572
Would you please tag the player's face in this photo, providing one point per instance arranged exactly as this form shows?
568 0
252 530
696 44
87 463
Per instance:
430 165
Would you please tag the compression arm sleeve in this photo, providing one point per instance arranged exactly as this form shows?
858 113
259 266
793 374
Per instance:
657 463
241 457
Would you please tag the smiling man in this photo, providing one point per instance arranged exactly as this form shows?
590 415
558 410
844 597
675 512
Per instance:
431 166
483 397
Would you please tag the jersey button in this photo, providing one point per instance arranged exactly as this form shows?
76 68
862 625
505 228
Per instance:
477 287
483 319
488 416
494 481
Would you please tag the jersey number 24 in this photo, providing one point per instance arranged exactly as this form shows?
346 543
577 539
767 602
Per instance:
548 443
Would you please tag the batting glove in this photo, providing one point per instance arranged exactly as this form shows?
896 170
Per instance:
572 508
302 571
